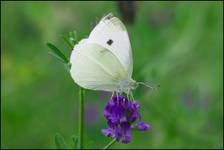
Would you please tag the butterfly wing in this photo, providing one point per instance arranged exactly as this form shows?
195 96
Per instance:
95 67
111 33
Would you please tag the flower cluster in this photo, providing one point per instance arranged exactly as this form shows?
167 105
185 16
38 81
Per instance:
122 116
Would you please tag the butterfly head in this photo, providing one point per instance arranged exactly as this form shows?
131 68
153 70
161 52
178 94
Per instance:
131 84
127 86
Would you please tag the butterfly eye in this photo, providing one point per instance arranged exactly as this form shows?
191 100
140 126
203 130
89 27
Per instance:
109 42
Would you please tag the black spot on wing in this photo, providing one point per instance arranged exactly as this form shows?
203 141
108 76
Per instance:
110 42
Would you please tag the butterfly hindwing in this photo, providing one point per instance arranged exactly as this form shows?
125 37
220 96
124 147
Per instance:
95 67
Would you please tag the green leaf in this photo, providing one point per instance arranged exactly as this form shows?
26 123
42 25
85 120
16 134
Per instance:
75 140
67 66
73 37
56 56
57 53
60 142
66 39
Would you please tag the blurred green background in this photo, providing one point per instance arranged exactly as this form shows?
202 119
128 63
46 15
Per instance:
178 45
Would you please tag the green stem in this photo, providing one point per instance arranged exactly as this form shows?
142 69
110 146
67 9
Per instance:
110 144
81 117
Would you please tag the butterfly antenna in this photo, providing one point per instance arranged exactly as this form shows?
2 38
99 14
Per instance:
149 86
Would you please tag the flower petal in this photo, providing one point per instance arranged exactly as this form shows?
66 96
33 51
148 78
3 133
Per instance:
126 137
123 133
108 132
141 126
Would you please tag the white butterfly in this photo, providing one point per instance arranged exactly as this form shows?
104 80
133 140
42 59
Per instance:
103 61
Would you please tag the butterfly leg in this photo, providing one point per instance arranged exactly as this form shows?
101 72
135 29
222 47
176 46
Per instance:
128 93
132 96
117 94
112 95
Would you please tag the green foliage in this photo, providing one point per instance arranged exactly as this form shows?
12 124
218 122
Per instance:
60 142
66 40
75 141
57 53
73 37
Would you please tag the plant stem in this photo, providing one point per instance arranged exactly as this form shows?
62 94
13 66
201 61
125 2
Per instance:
81 117
110 144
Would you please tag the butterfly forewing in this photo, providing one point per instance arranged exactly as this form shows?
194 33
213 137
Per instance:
111 33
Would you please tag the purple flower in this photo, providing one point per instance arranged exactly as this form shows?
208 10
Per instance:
141 126
122 115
